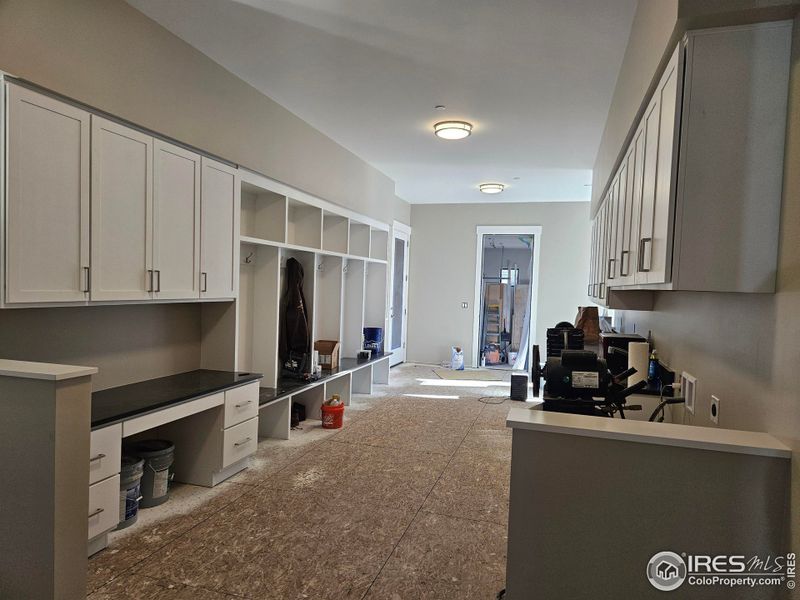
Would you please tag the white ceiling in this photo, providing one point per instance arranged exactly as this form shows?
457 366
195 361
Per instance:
534 76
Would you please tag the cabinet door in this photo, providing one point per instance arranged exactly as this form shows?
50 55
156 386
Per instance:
219 237
661 263
47 207
122 212
603 251
647 204
176 223
619 218
630 214
592 258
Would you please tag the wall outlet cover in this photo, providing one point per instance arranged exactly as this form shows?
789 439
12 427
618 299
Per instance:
689 389
714 410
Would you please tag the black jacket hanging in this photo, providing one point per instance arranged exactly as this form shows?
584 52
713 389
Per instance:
295 338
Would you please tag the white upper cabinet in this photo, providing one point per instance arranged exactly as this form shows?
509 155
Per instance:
47 210
658 252
218 230
122 212
176 223
704 170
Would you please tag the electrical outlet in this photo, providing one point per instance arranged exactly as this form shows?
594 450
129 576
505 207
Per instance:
465 305
688 387
714 410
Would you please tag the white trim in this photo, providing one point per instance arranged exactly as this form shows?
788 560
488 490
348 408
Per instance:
402 231
481 230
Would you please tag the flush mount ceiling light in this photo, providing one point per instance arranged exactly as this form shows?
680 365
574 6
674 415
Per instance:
491 188
452 130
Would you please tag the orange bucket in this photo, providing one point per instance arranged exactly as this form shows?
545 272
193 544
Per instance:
332 416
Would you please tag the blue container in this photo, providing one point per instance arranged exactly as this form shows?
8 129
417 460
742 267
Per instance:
373 340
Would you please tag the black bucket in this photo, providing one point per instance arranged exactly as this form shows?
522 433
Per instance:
158 456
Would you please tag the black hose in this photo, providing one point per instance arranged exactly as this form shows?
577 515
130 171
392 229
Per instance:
662 404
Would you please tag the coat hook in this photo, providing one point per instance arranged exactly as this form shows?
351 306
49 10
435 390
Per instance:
249 258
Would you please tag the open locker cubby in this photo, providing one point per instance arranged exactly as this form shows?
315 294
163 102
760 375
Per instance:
353 313
328 299
375 297
308 261
259 303
263 214
379 244
335 232
359 239
303 225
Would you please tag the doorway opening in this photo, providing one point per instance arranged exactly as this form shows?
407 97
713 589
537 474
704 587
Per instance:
506 280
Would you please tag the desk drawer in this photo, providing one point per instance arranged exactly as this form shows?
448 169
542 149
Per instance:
105 452
103 506
239 441
241 404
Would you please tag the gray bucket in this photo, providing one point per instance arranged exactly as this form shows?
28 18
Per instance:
158 456
130 484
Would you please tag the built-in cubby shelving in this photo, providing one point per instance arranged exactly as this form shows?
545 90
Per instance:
378 244
303 224
335 232
344 259
353 309
359 239
329 292
263 214
375 295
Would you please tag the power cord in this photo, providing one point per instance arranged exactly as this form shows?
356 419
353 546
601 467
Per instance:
485 399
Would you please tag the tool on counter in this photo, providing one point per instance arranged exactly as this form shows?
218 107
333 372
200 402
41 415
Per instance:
579 382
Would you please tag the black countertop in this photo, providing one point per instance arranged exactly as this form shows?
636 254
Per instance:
124 402
288 386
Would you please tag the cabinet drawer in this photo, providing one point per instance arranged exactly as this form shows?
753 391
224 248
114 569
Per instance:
241 404
105 451
103 506
239 441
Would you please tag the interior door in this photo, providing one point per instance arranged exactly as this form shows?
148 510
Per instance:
399 309
219 204
176 222
48 199
122 212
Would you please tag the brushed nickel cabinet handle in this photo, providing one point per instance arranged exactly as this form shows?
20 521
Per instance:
96 512
150 280
203 281
243 442
240 405
624 264
611 267
98 457
87 272
158 279
642 243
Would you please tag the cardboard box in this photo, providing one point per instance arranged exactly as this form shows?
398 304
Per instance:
328 354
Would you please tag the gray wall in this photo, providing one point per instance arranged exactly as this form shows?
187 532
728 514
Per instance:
127 343
109 55
442 269
744 348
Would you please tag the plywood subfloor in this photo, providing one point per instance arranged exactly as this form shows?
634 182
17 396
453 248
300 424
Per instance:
408 501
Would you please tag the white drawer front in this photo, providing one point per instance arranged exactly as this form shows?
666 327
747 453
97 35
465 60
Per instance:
103 506
105 452
241 404
239 441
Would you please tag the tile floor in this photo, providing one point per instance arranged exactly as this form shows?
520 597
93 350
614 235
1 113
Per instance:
408 501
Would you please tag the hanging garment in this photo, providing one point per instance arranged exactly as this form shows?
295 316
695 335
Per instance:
295 339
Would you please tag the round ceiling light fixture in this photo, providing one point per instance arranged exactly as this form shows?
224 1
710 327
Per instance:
452 130
491 188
